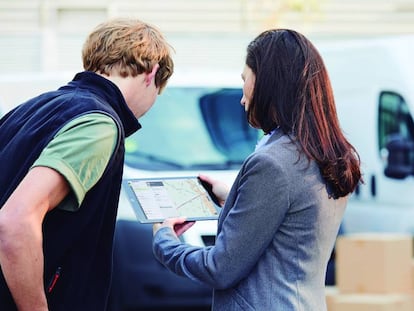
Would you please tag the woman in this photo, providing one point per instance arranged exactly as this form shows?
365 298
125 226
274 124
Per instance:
280 219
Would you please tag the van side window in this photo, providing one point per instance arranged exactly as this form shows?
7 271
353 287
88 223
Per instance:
393 118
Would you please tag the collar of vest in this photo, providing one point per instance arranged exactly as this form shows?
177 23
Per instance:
108 91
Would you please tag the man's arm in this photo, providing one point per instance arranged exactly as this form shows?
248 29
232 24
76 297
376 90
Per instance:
21 218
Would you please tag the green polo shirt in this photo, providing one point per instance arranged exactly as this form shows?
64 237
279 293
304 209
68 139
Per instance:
80 151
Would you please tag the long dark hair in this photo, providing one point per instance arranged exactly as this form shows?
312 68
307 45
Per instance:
292 91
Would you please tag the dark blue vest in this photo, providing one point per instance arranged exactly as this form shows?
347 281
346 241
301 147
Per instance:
77 244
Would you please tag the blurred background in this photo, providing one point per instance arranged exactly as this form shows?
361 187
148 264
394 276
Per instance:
47 35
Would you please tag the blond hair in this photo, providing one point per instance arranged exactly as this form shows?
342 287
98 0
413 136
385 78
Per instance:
128 47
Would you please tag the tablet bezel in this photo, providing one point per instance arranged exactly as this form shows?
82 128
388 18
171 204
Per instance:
139 212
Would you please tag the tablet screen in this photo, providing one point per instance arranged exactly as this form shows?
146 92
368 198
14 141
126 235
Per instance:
155 199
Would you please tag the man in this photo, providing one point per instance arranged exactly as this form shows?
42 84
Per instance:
61 161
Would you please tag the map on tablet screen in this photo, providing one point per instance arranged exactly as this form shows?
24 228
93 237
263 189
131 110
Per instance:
155 199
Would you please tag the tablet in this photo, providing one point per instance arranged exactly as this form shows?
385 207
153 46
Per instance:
155 199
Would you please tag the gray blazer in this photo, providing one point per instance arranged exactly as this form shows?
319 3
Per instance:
275 235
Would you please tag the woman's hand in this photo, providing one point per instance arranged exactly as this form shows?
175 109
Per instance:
178 225
220 189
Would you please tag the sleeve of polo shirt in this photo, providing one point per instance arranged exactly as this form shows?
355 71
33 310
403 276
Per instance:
80 151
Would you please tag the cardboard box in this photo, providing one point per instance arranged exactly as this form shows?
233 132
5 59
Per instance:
370 302
412 275
330 293
374 263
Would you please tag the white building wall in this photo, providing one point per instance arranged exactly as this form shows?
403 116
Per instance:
47 35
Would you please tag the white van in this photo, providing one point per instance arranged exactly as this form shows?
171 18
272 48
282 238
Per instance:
374 92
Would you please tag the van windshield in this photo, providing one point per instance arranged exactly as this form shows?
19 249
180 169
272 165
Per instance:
175 135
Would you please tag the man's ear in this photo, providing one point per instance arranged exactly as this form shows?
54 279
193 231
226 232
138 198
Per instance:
151 75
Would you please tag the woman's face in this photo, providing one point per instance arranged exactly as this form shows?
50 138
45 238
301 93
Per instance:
249 79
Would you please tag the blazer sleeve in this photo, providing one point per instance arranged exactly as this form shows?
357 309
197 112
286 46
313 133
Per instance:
261 200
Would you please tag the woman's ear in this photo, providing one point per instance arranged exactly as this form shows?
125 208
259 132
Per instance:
151 75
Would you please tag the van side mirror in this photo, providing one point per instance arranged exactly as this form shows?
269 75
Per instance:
400 157
227 124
